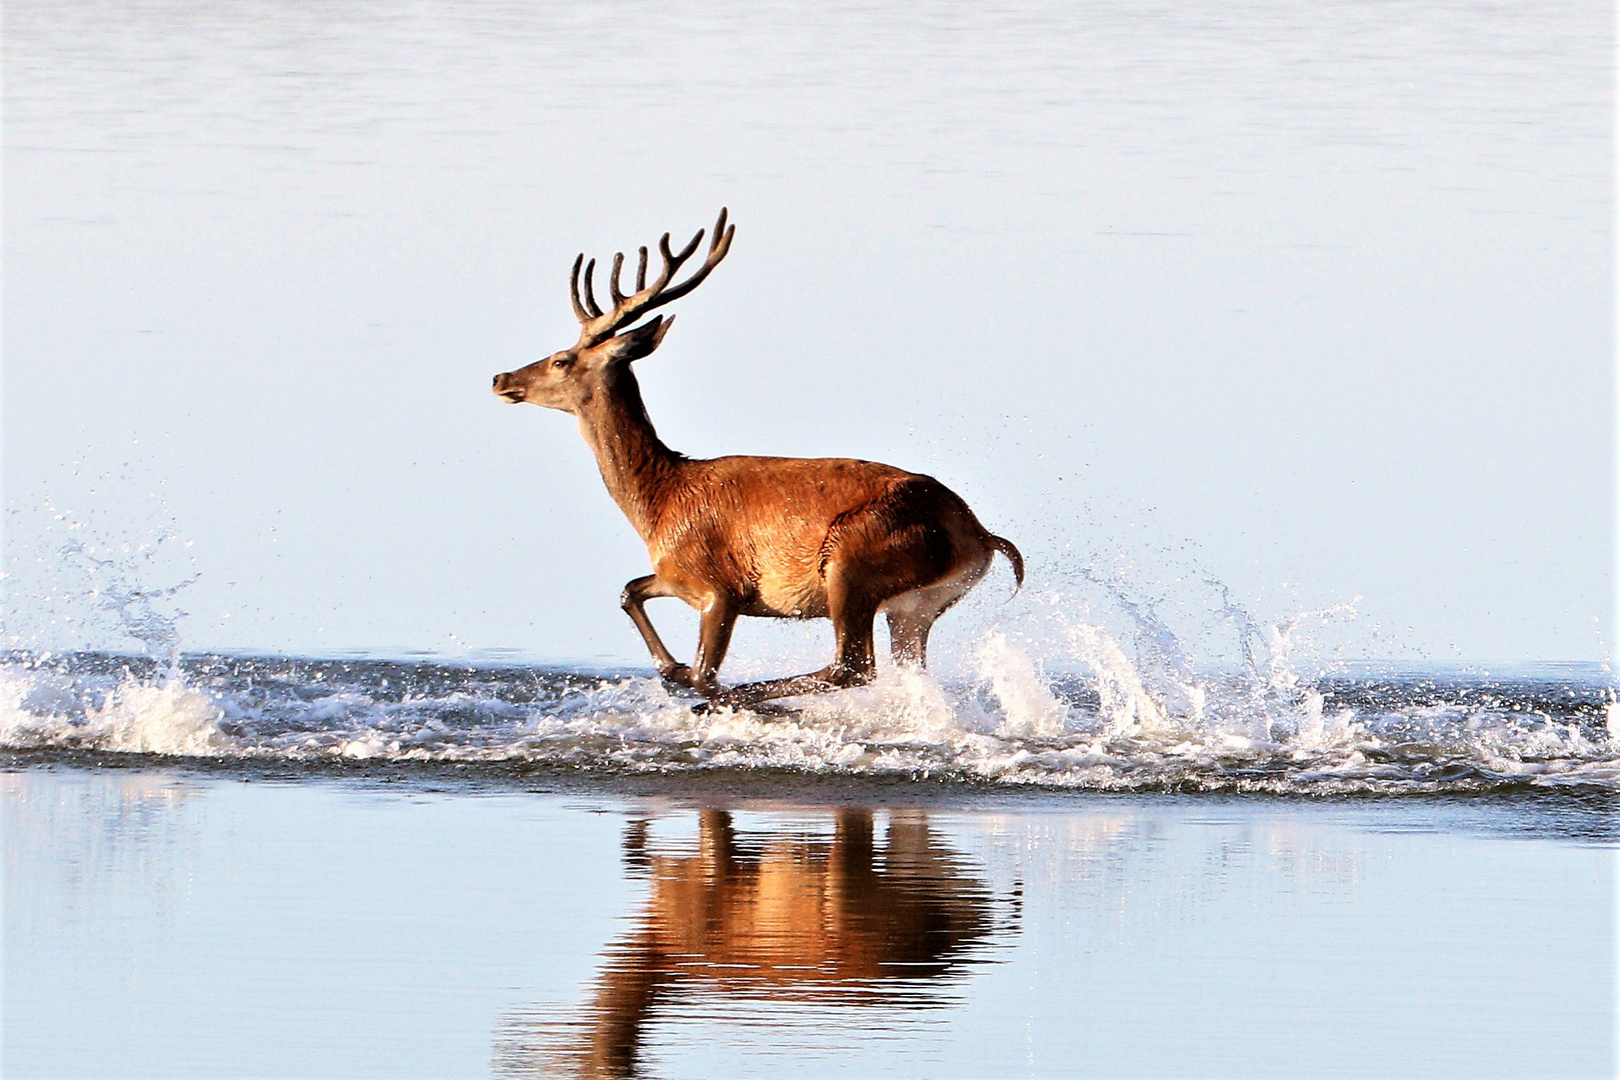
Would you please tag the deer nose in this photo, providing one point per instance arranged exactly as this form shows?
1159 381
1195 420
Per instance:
503 389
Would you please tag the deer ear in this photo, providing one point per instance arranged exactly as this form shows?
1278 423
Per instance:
637 343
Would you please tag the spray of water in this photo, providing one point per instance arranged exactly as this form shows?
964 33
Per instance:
1091 689
72 589
99 592
144 613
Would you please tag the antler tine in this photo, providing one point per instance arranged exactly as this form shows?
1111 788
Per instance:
669 266
626 309
719 231
573 290
673 260
691 246
590 297
718 248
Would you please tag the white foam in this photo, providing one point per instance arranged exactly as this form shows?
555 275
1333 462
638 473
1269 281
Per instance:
166 719
1145 718
906 722
1028 706
1127 706
133 717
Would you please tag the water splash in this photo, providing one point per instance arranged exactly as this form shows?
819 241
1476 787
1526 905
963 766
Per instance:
1082 691
155 712
1124 703
73 589
1027 704
143 613
169 719
1345 735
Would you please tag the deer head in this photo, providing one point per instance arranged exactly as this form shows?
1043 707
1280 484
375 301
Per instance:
566 380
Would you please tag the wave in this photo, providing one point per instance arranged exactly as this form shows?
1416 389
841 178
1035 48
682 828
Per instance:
1111 727
1100 696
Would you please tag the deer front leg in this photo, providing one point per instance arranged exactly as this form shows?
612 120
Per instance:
635 596
714 637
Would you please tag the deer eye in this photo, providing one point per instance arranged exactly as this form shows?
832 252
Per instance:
562 362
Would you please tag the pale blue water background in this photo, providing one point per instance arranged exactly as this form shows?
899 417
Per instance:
1313 298
174 922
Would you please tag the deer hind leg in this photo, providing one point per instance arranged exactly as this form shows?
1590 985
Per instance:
908 638
912 615
852 612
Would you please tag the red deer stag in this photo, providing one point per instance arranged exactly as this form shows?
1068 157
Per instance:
785 538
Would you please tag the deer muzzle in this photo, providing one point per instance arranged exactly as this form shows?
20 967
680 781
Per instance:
504 388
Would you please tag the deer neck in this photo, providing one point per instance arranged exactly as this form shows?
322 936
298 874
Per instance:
635 464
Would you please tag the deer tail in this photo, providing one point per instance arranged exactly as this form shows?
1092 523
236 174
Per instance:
1005 546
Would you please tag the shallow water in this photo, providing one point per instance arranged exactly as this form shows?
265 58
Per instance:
1126 727
275 866
208 921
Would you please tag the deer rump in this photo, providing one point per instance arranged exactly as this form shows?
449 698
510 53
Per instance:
793 530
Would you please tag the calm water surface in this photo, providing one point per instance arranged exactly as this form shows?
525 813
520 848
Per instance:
192 922
1326 288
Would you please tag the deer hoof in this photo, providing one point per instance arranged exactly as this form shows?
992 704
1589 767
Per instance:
716 698
839 677
680 675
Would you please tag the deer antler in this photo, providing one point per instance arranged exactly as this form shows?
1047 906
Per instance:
598 326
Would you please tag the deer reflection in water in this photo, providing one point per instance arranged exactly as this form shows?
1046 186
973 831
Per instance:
792 918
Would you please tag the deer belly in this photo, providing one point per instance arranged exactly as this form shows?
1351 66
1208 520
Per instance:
790 593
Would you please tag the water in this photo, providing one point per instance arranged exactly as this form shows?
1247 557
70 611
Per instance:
1102 732
255 921
289 866
1325 288
1111 684
1076 852
1103 682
